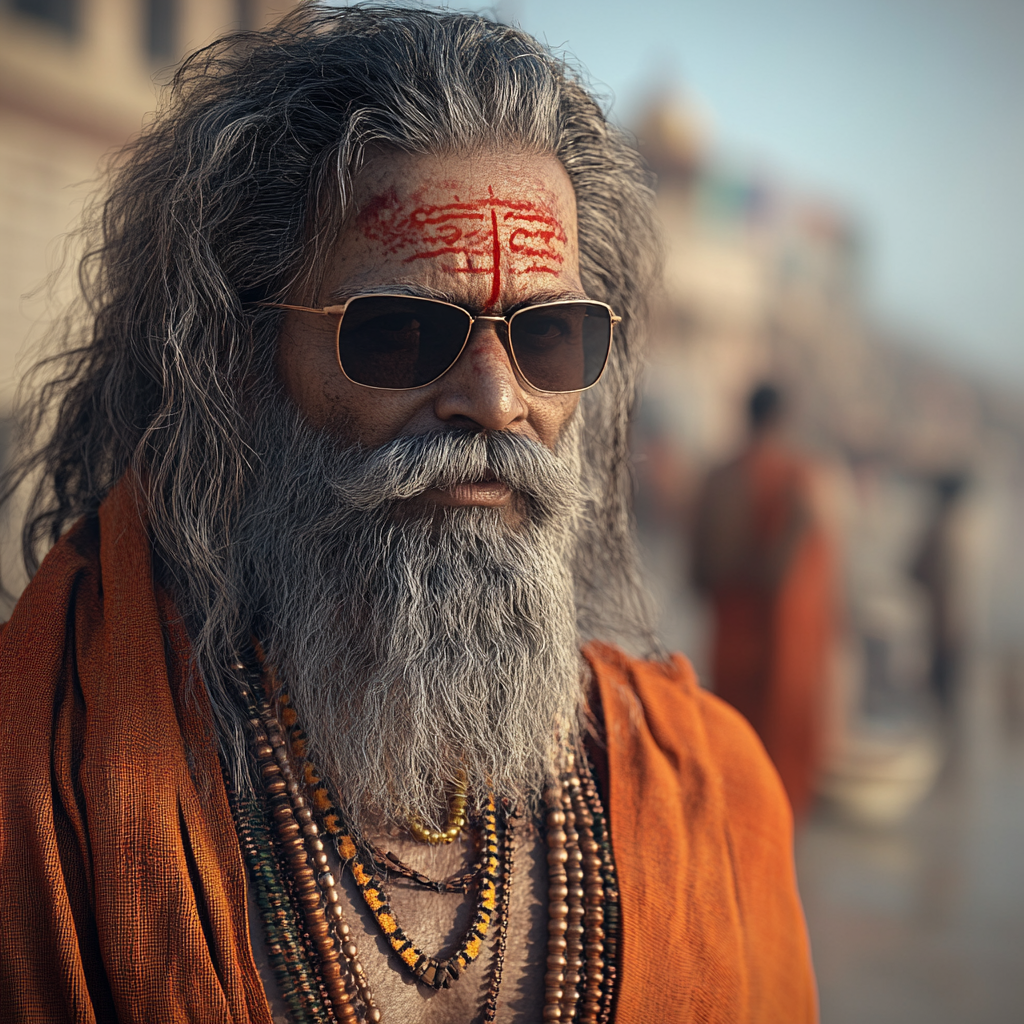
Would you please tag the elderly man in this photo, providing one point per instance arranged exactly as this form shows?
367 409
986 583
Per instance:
305 715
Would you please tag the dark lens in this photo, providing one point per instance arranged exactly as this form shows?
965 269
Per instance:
562 346
395 342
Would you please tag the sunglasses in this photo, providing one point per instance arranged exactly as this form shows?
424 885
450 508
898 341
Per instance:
402 342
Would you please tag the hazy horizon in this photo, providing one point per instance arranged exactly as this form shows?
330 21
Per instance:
907 114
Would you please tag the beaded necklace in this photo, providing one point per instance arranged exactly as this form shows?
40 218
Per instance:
315 961
424 968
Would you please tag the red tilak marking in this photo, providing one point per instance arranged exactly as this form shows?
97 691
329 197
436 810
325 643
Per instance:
496 278
458 234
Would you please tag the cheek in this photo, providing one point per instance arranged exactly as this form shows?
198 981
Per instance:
550 415
308 371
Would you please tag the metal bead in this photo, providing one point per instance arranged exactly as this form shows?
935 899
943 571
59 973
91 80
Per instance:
557 926
556 819
556 960
556 856
557 838
326 880
350 949
552 1011
558 892
558 909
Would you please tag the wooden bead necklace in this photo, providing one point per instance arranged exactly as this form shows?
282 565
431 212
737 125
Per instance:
314 959
288 948
305 856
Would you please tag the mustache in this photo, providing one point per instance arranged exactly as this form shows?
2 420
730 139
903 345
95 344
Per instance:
363 480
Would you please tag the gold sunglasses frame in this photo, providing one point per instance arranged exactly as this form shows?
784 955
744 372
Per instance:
339 312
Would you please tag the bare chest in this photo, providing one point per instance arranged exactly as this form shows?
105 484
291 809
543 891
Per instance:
436 923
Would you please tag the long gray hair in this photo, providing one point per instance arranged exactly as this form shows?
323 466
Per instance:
233 194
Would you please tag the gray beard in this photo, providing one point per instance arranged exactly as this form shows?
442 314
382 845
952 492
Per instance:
416 644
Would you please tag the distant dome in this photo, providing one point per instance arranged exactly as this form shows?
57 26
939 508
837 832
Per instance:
672 138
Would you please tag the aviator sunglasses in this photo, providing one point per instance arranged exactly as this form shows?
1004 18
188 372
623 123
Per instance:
402 342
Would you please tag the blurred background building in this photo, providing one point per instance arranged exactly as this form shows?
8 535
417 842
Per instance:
77 80
911 869
763 282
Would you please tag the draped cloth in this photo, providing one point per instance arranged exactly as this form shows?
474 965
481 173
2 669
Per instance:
123 890
771 645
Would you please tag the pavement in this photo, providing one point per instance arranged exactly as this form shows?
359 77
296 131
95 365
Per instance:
922 921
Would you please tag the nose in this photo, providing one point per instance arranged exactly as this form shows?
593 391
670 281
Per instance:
482 389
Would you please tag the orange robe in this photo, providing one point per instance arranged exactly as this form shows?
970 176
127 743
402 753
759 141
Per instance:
122 887
770 647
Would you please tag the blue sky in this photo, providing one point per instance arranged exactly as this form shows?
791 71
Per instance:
910 113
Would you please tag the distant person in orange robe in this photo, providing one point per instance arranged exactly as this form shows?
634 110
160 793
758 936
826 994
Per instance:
761 554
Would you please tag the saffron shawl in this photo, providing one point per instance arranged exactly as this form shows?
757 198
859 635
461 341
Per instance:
122 888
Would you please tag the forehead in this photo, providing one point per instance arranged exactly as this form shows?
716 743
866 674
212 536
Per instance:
486 227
